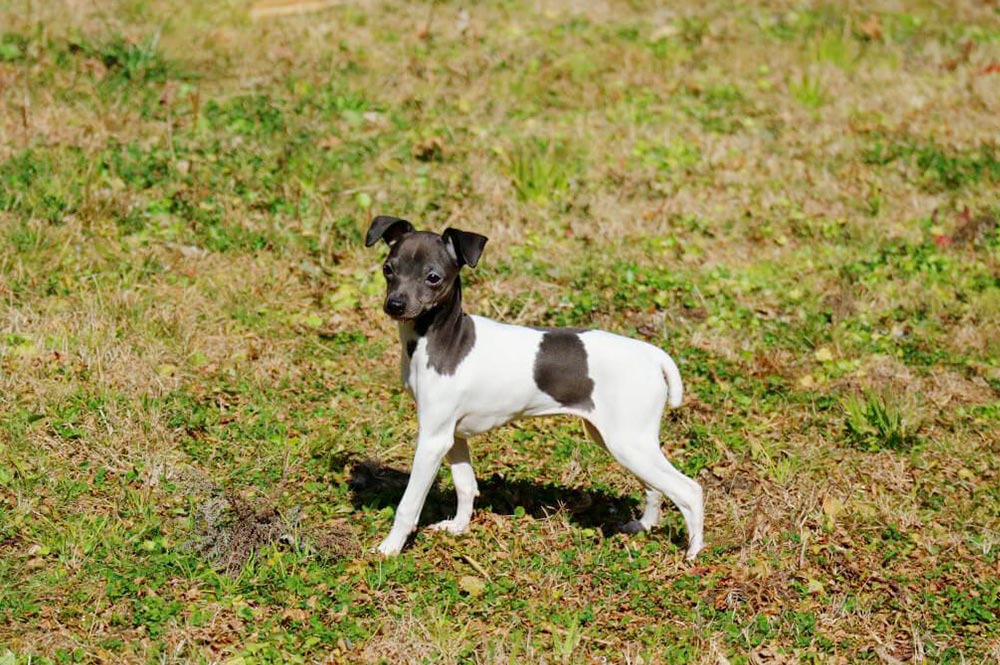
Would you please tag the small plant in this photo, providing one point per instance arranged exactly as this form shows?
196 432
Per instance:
676 156
135 60
13 47
874 201
873 423
835 48
565 642
808 90
541 170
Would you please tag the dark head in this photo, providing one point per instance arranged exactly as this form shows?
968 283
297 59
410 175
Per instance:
421 271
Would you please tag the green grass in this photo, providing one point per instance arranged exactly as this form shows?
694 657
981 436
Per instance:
807 89
935 167
541 170
202 431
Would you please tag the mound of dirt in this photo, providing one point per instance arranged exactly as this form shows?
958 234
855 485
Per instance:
231 527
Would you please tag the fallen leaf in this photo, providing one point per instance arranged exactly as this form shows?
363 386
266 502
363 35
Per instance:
823 354
295 614
429 149
166 369
872 28
832 507
329 142
472 585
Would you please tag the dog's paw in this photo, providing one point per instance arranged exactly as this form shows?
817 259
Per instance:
389 547
453 526
693 549
635 526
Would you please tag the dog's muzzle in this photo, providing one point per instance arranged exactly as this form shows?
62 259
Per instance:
395 307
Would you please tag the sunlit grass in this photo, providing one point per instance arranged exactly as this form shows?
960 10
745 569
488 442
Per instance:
202 431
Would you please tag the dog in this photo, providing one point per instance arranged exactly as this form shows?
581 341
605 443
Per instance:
469 374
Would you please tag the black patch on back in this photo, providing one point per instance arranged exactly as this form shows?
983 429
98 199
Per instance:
561 369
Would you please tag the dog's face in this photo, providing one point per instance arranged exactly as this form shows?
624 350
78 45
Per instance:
422 269
419 274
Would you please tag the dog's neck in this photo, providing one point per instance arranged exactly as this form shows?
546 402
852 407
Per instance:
450 333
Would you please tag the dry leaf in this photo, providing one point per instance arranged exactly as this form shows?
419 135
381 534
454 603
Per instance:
472 585
872 28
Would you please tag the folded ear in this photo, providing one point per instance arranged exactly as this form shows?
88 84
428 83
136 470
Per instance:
467 246
390 229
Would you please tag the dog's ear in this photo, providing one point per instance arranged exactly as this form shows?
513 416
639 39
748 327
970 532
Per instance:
467 246
387 228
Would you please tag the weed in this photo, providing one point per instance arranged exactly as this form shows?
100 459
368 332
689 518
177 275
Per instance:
541 170
676 156
808 90
874 200
835 48
131 61
566 640
13 47
873 423
722 109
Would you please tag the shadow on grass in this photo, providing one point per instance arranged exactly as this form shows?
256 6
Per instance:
376 485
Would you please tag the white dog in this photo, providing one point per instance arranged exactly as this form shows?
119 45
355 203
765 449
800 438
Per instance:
469 374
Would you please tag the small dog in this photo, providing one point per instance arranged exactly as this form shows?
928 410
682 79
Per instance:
469 374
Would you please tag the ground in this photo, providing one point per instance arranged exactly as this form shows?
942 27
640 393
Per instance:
202 430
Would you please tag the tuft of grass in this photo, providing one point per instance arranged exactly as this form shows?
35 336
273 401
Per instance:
541 170
808 89
835 48
676 156
130 61
36 184
875 422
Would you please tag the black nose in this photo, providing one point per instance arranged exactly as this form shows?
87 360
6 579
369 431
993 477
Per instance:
395 306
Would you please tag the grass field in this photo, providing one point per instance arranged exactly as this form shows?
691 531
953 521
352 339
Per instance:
202 430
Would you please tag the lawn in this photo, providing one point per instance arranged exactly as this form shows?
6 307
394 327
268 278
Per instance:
202 430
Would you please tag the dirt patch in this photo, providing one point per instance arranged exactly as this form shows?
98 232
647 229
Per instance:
231 526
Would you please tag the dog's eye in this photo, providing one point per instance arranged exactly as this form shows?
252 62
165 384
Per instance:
387 270
433 279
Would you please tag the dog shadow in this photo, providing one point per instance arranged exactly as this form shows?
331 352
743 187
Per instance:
375 485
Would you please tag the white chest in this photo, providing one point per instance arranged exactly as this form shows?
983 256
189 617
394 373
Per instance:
492 385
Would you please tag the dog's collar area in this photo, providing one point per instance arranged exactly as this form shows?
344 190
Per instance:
450 333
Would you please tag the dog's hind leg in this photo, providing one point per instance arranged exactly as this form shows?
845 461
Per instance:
640 453
464 479
651 512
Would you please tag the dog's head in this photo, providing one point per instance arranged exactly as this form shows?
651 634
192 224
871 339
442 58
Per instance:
421 271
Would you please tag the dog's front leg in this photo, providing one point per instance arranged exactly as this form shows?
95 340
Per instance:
464 479
431 449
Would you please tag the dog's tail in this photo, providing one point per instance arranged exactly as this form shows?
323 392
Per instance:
675 387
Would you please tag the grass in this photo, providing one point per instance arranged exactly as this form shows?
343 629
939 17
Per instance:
202 433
